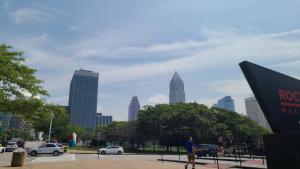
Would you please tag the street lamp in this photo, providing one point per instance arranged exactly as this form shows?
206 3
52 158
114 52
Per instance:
51 116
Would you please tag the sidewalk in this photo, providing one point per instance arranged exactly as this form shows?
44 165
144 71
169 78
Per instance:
107 164
72 151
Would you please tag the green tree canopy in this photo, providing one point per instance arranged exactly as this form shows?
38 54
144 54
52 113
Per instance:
171 124
17 80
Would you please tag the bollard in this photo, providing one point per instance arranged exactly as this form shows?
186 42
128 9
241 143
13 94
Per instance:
17 159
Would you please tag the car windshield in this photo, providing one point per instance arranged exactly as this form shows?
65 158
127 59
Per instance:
11 144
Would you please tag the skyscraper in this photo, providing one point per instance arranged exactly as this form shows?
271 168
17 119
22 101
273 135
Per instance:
226 103
133 109
254 112
83 98
177 93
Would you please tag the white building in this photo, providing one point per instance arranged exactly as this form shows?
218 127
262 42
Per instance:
254 112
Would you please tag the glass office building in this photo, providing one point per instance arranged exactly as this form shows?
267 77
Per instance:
103 120
83 98
226 103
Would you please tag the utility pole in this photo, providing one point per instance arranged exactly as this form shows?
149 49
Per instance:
51 116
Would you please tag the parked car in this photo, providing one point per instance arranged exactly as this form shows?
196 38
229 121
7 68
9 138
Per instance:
111 150
62 146
48 148
207 150
2 149
11 146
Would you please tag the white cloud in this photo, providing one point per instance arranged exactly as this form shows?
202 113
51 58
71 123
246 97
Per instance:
221 50
24 15
100 109
3 4
158 99
207 101
232 87
36 13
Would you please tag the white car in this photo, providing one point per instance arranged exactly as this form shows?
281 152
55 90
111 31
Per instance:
11 146
48 148
111 150
2 149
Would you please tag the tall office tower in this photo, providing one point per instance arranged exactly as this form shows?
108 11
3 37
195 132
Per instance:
254 112
133 109
226 103
103 119
177 93
83 98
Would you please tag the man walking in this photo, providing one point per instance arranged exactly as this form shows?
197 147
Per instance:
191 150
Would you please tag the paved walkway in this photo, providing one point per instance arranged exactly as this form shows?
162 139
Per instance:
107 164
91 161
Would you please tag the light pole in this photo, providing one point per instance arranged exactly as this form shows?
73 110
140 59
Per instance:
51 116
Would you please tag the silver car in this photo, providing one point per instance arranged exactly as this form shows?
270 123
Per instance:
111 150
48 148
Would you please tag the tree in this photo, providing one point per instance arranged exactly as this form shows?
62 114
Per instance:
170 125
59 125
19 88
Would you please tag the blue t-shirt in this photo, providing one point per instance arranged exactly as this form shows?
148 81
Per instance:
189 146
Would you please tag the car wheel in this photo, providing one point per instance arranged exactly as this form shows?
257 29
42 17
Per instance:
55 153
119 152
2 151
102 152
33 153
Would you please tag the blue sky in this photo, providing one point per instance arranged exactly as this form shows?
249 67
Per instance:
136 45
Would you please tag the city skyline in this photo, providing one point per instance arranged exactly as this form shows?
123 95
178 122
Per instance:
136 46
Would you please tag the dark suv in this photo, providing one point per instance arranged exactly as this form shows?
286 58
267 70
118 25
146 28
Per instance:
207 150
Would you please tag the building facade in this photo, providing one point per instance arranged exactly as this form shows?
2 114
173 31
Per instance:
177 94
83 98
254 112
103 120
226 103
133 109
9 121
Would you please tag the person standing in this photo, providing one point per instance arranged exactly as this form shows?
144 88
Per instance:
191 150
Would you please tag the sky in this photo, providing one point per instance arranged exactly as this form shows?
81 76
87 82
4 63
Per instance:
137 45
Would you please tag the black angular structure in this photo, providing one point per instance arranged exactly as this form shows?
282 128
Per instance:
279 97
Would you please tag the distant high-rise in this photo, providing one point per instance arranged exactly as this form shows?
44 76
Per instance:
83 98
9 121
103 119
254 112
133 109
177 94
226 103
